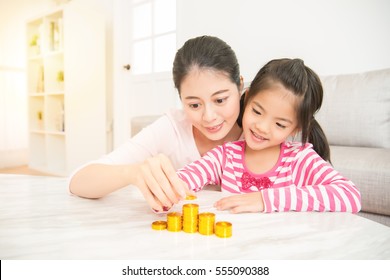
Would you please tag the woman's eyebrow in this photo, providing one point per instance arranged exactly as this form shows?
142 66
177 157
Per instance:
215 93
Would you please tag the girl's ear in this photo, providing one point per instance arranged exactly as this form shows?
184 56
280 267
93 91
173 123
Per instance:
295 134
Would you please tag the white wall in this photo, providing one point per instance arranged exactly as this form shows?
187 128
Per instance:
332 36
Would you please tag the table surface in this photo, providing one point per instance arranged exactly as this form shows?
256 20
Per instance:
39 219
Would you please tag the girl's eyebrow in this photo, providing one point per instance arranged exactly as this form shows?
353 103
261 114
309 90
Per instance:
265 111
215 93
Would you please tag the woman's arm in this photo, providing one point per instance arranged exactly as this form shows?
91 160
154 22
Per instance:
97 180
155 178
144 161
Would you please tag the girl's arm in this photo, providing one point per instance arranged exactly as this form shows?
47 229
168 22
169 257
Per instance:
316 186
205 171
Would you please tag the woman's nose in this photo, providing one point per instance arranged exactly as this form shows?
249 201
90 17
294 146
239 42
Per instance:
209 113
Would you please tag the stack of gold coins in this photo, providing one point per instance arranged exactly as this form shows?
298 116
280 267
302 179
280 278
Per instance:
206 223
190 218
159 225
223 229
174 221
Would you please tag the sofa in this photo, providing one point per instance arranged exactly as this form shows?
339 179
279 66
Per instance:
355 116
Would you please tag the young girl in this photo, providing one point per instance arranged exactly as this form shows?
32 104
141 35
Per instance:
266 171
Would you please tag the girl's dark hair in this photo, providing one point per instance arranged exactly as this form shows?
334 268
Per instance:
295 76
205 52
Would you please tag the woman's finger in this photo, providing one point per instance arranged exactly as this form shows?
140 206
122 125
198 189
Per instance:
157 167
154 186
153 202
178 186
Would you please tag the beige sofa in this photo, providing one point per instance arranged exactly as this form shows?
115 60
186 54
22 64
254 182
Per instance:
356 118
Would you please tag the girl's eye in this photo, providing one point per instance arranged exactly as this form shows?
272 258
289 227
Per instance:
255 111
280 125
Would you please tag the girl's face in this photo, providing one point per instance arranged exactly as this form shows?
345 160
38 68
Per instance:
211 101
270 117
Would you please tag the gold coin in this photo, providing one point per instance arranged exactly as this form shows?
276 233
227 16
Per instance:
223 229
191 197
159 225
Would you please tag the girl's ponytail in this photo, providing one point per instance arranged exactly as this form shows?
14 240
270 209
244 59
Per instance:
318 138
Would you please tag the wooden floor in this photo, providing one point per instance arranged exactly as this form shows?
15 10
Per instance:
23 170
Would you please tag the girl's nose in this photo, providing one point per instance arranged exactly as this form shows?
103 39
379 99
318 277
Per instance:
263 126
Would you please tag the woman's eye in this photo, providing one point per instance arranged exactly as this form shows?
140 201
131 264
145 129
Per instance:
194 106
220 100
280 125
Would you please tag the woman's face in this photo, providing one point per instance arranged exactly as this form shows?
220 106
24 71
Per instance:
211 101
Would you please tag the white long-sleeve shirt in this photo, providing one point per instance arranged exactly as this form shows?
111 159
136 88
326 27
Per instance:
170 135
300 181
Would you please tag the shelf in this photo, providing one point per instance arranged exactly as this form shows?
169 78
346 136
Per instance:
61 86
36 113
55 121
56 155
35 80
38 153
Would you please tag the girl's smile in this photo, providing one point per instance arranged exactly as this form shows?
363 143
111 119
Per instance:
270 118
258 137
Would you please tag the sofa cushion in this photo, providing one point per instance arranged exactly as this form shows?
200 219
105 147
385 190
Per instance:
356 109
369 170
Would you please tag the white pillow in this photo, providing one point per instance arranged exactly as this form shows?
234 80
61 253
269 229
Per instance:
356 109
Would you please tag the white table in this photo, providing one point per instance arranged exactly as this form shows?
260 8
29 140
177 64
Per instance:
39 219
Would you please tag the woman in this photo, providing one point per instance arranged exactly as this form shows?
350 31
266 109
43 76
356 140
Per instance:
207 76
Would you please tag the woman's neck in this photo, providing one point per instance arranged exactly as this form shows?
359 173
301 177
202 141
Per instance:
204 144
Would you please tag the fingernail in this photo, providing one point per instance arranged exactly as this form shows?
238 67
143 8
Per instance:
166 208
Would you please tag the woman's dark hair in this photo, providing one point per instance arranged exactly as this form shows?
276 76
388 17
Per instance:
295 76
205 52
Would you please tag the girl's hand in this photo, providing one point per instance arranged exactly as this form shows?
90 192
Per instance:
248 202
159 183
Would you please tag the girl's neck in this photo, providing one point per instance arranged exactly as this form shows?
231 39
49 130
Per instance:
261 161
204 144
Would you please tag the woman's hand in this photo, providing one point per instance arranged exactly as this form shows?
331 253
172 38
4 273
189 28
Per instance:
159 183
248 202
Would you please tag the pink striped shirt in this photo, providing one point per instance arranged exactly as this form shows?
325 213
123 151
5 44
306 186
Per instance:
300 181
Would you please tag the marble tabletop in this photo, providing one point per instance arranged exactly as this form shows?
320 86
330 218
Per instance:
39 219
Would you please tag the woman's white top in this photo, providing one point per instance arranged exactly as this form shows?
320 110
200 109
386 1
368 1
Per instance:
170 135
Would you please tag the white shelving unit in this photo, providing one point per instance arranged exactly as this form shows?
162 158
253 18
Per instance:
66 89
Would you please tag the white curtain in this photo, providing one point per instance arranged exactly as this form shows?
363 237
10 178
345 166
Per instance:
13 117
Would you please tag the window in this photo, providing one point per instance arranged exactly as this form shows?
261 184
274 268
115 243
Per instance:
154 35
